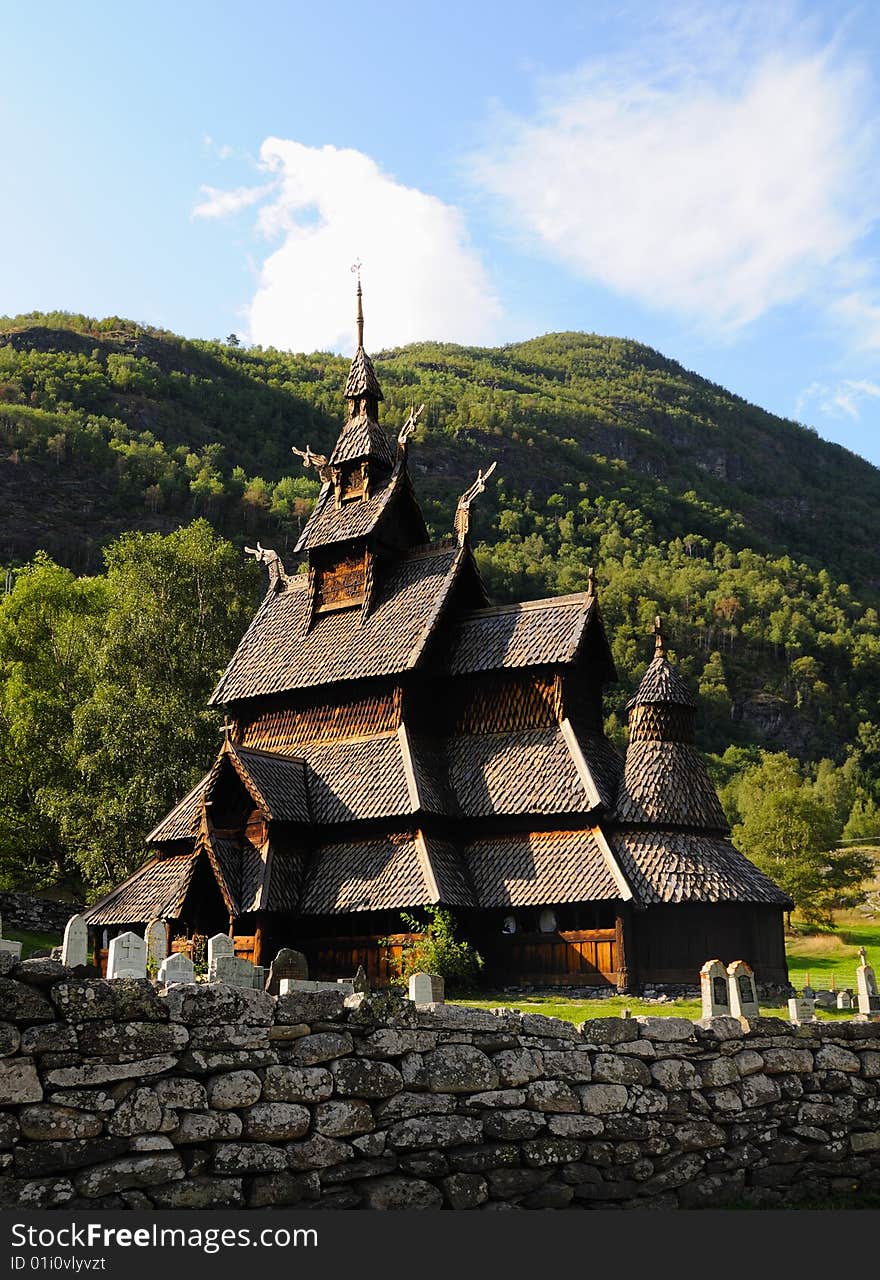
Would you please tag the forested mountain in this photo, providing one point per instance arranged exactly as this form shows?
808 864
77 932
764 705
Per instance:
758 541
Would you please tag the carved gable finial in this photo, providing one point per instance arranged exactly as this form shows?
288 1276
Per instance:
659 638
316 460
462 512
409 427
591 581
272 561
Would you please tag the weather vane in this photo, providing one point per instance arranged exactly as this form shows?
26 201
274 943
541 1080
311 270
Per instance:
356 269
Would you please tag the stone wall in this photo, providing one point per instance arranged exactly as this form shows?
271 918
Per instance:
37 915
116 1094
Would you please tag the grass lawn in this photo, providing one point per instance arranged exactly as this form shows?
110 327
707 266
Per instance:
822 954
574 1010
31 942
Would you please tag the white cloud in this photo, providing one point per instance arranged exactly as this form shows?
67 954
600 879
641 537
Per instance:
714 196
841 400
331 206
861 315
221 204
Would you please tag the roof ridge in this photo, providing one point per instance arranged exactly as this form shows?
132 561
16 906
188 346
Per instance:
525 606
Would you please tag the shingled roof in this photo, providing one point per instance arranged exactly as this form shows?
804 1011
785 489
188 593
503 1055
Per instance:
182 822
682 866
362 380
330 524
551 866
666 784
157 889
277 783
521 635
365 875
277 653
362 437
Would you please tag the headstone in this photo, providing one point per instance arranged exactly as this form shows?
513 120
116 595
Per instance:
826 1000
809 993
360 982
127 957
235 971
288 986
844 1000
176 968
426 988
75 947
547 920
220 945
801 1009
287 964
156 938
743 992
6 944
714 990
866 983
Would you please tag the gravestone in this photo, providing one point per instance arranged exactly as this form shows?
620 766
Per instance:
844 1000
75 947
221 945
714 990
289 986
360 983
235 971
743 993
156 938
176 968
127 957
6 944
801 1009
866 983
287 964
426 988
826 1000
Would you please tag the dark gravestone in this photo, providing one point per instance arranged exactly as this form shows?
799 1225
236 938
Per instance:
287 964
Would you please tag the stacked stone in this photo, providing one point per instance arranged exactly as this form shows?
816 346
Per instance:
117 1094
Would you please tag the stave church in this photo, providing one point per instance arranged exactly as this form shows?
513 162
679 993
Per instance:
393 740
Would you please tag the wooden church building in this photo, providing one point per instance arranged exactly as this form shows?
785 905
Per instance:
393 739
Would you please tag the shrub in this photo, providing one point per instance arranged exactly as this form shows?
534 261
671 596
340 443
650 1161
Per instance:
438 951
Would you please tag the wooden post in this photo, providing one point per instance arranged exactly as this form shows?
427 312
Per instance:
258 941
622 928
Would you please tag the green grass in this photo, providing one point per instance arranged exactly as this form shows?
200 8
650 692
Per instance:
822 954
575 1010
31 942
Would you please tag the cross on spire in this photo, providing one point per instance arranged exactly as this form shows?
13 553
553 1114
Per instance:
356 270
228 728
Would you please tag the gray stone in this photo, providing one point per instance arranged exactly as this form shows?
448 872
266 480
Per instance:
249 1157
43 1193
199 1193
568 1126
10 1039
460 1069
318 1152
41 1122
426 1132
553 1095
777 1061
75 946
609 1030
132 1039
832 1057
757 1090
615 1068
206 1126
394 1192
297 1084
407 1104
140 1112
388 1042
696 1135
665 1030
310 1006
363 1078
48 1037
81 999
176 968
675 1073
40 971
276 1121
324 1046
603 1099
97 1073
282 1188
35 1159
83 1099
465 1190
19 1081
129 1171
540 1152
22 1003
234 1089
343 1118
518 1066
515 1124
188 1095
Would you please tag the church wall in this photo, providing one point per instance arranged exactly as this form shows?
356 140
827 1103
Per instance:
671 941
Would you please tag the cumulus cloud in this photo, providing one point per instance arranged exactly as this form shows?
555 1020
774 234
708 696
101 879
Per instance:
714 196
842 400
331 206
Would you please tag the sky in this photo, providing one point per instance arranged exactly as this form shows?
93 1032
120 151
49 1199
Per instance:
700 177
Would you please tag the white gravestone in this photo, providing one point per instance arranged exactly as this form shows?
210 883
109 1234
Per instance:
714 990
743 993
426 988
844 1000
6 944
127 957
75 947
220 945
866 981
156 938
801 1009
176 968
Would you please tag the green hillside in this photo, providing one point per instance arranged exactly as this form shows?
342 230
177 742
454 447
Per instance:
756 539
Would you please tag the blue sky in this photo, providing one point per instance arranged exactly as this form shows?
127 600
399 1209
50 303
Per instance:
700 177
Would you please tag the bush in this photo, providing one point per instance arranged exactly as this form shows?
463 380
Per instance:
438 951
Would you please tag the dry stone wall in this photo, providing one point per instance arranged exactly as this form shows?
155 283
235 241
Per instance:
37 915
117 1094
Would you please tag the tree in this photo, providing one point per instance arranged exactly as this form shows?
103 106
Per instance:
51 624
